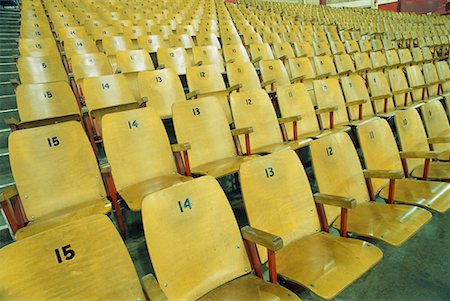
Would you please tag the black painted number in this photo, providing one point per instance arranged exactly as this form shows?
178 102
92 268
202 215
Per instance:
185 205
48 94
105 86
329 151
53 141
248 101
269 172
371 135
67 252
196 111
133 124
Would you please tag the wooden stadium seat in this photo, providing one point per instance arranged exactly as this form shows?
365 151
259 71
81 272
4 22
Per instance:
207 39
401 90
357 97
75 46
416 150
208 55
90 65
33 32
151 43
417 55
130 63
59 154
70 262
321 48
106 94
380 152
71 32
174 58
362 62
437 127
324 66
380 93
338 171
378 59
244 73
37 47
161 89
337 47
183 40
432 79
405 56
351 46
41 104
101 32
279 201
303 49
111 45
344 64
203 215
235 53
252 38
254 109
138 150
163 30
421 90
203 124
273 71
35 70
261 52
283 50
365 46
392 59
443 73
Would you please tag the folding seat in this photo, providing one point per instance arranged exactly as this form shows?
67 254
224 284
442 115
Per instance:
132 32
230 38
344 35
363 64
75 46
275 188
175 58
403 96
443 73
421 90
94 25
377 45
324 66
437 127
235 53
66 249
337 47
111 45
160 89
206 80
380 152
427 55
47 103
432 79
35 70
364 46
283 50
274 71
99 33
90 65
207 218
378 60
252 38
149 165
204 126
380 93
206 39
130 63
417 55
59 154
357 97
121 24
208 55
388 44
254 109
35 30
416 148
244 75
37 47
351 46
106 94
344 64
392 59
260 52
271 37
71 32
151 43
163 30
338 172
303 49
186 29
405 56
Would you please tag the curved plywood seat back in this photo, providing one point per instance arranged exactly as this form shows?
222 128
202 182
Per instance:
262 50
398 83
265 181
37 47
324 65
379 149
243 73
134 61
71 262
90 65
235 53
208 55
204 125
205 79
274 70
337 170
78 46
175 58
194 243
362 61
329 94
379 87
355 89
35 70
436 123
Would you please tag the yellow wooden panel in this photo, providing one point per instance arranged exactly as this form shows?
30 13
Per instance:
112 44
205 39
151 43
236 53
134 61
398 82
181 40
162 88
416 79
209 55
45 101
66 172
205 79
69 32
274 70
430 72
90 65
362 61
203 124
378 59
243 73
337 170
75 46
283 49
301 66
344 63
444 74
89 269
354 88
324 65
436 124
195 245
379 86
34 70
37 47
261 50
329 94
175 58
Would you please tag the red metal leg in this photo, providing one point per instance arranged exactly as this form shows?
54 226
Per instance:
253 256
426 169
10 217
248 148
113 194
343 224
322 217
186 163
272 266
391 191
295 130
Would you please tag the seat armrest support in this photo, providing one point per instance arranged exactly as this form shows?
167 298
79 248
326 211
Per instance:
244 131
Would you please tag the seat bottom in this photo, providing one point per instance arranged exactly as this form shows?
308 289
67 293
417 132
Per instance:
393 224
428 194
326 264
437 171
221 168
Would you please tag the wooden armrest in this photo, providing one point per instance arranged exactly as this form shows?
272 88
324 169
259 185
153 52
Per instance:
323 75
8 193
384 96
282 58
256 60
199 63
419 155
326 110
267 240
363 70
356 102
162 66
383 174
267 83
289 119
181 147
345 71
424 86
234 88
12 121
230 61
436 140
242 131
298 79
402 91
118 70
144 99
192 94
105 167
333 200
152 288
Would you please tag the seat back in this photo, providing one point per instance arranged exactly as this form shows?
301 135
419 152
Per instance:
379 149
274 70
90 65
248 108
416 79
209 55
175 58
59 155
261 50
355 89
38 102
362 61
444 75
198 219
392 58
278 198
436 123
283 49
411 134
379 87
324 65
37 47
35 70
344 64
151 43
329 94
303 49
181 40
206 39
205 79
417 55
75 46
378 59
243 73
405 56
130 61
398 83
351 46
48 272
204 125
337 170
162 88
